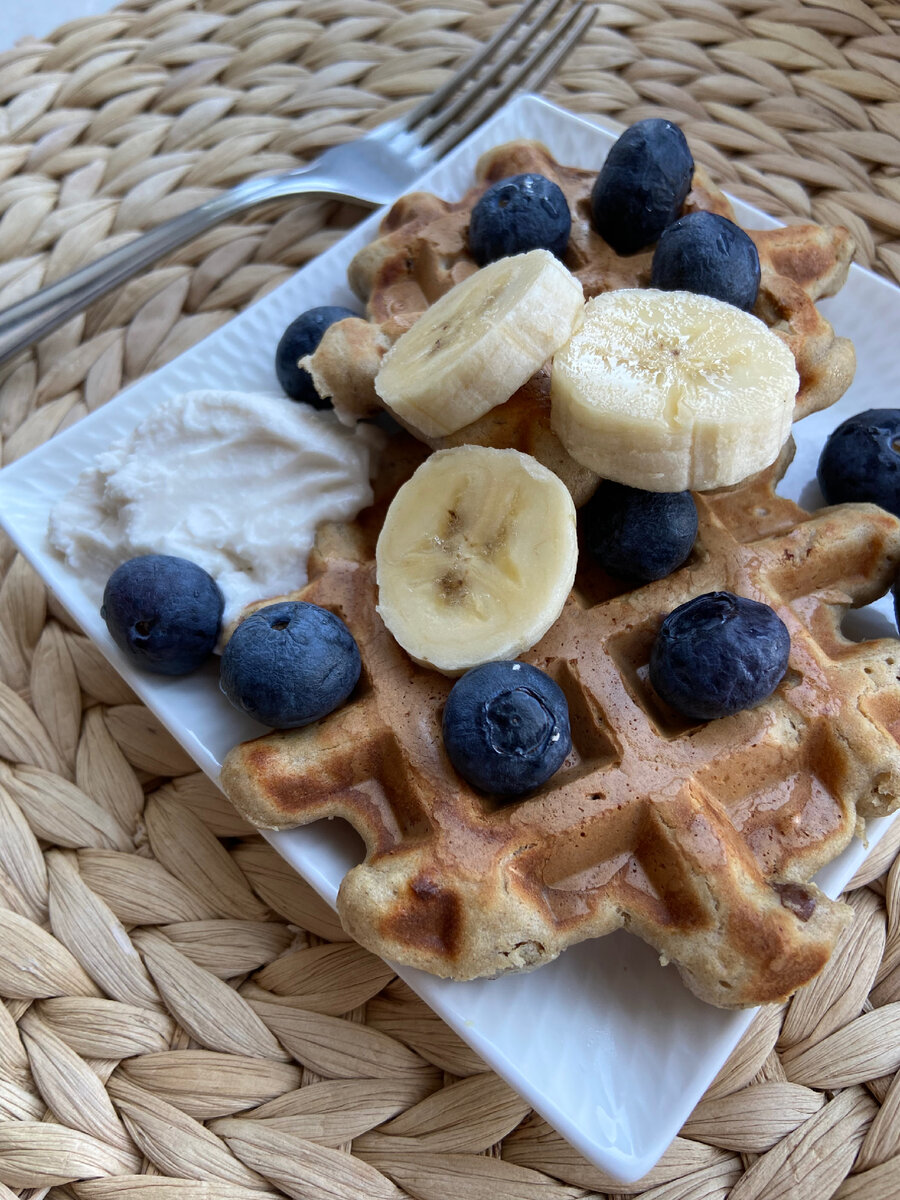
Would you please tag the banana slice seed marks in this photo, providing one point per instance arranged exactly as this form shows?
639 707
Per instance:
671 390
476 557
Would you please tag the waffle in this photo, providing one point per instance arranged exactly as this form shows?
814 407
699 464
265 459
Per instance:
422 252
700 838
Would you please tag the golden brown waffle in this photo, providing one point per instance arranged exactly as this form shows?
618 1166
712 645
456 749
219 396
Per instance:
422 251
698 837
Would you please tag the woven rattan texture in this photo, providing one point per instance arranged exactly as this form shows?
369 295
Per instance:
183 1019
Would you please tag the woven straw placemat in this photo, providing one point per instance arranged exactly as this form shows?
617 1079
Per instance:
183 1018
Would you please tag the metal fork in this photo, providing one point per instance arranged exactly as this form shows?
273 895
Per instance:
374 169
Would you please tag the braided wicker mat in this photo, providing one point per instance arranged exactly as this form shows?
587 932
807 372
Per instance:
183 1018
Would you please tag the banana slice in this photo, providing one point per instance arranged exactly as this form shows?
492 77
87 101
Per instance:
479 342
476 557
671 390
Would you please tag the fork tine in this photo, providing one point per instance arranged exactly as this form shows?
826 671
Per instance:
534 71
444 117
534 83
427 106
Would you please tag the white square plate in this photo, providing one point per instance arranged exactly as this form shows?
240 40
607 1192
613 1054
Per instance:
608 1046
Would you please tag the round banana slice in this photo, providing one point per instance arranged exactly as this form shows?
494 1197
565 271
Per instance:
476 557
479 342
671 390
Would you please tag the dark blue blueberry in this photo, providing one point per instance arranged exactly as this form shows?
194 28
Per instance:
642 185
709 254
289 664
300 338
638 535
860 460
522 213
506 727
163 612
718 654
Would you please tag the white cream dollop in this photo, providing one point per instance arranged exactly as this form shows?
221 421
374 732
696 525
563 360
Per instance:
235 482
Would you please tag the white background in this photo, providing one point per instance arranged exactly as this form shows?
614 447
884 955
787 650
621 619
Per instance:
37 18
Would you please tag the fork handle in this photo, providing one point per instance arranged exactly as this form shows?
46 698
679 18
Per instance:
33 318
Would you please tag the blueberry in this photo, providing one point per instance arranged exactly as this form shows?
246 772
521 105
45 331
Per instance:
861 460
709 254
642 185
289 664
506 727
718 654
301 337
163 612
639 535
522 213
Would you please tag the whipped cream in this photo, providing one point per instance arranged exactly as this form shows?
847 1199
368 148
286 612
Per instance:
235 482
